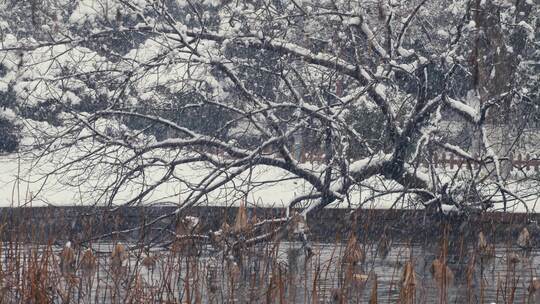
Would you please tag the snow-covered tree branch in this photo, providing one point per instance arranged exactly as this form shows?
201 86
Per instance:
188 98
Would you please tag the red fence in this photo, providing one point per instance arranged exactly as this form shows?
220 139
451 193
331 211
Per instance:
452 161
518 162
445 160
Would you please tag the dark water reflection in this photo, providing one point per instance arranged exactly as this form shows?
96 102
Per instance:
494 279
281 273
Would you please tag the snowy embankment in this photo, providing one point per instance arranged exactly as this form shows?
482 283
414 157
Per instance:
24 182
82 174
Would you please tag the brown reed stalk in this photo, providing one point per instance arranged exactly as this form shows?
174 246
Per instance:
373 297
469 276
533 291
408 284
316 275
241 223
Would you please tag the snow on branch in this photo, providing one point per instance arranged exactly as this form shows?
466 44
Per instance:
463 109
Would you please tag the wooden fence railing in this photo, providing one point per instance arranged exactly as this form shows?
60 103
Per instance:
452 161
444 160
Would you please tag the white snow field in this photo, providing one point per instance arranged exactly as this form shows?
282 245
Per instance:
24 182
81 179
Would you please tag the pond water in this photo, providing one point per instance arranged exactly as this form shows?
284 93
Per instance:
281 273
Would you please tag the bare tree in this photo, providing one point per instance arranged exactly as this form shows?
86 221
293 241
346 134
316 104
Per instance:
140 91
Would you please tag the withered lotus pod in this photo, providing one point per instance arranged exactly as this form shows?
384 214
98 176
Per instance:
353 252
88 262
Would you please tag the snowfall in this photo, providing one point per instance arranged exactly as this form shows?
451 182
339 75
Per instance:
25 182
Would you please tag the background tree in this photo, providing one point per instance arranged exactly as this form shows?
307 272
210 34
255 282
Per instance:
138 91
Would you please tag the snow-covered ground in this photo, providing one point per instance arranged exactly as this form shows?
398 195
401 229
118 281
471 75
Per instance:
24 183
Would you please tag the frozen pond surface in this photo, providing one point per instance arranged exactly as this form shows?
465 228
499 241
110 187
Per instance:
280 273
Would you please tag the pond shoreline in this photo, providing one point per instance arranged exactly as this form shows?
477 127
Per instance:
327 225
